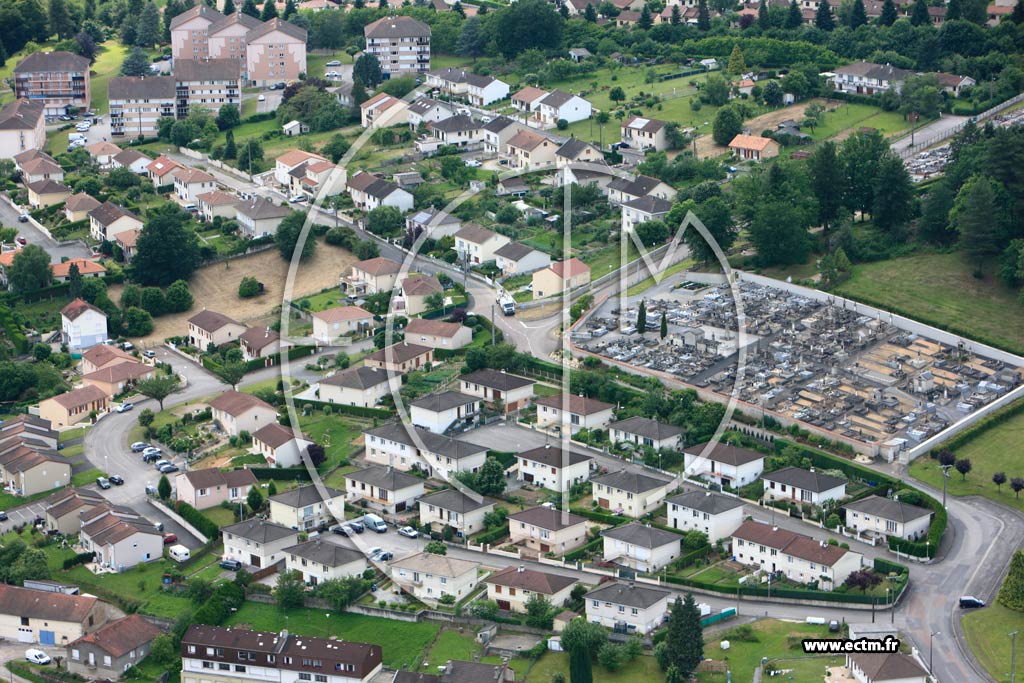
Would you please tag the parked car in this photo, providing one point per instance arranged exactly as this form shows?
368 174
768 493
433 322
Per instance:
170 538
333 62
160 463
151 457
383 556
150 450
408 532
169 468
37 656
969 601
23 218
21 240
150 490
297 198
261 98
474 163
125 407
103 483
233 565
3 516
116 479
343 530
357 526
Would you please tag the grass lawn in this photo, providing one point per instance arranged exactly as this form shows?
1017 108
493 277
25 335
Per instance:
107 65
141 583
773 639
43 314
87 477
72 451
642 670
220 516
403 642
650 282
939 289
335 432
72 434
851 115
809 669
994 450
986 630
450 645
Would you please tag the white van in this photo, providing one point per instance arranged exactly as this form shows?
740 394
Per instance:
375 523
179 553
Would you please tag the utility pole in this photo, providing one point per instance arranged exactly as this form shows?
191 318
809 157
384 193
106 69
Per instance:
945 476
492 325
1013 656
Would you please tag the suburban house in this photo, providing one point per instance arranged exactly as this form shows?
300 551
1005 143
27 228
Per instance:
577 151
82 325
622 190
78 206
22 127
308 507
257 543
644 432
208 328
888 667
236 412
725 465
798 485
103 152
191 182
259 342
207 488
414 292
480 91
559 105
387 489
528 99
216 203
632 494
512 587
128 241
638 608
553 468
279 445
102 356
132 159
866 78
383 110
434 222
137 103
573 413
516 258
430 577
359 386
58 80
714 514
112 649
640 546
424 110
498 132
437 334
289 161
160 170
477 245
545 529
443 411
530 149
455 671
39 166
369 192
559 277
645 133
754 147
498 388
801 558
401 45
64 506
318 561
31 616
86 268
331 325
27 469
259 217
400 358
453 508
119 542
457 131
118 379
880 518
43 193
64 410
372 276
407 447
280 657
643 209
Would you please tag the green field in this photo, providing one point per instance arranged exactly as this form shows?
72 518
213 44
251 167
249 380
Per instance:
997 449
403 642
643 669
850 115
939 289
986 632
141 583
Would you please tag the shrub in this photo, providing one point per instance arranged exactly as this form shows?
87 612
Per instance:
248 287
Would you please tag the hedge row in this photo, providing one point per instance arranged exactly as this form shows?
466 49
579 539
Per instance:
282 473
884 566
13 331
80 558
506 458
775 591
585 550
357 411
982 426
495 534
197 519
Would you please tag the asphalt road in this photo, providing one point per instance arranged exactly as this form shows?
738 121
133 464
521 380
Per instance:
9 217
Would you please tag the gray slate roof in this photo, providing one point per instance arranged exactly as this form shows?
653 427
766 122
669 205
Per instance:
208 70
646 427
444 401
141 88
887 508
641 535
455 501
726 454
629 595
387 478
435 443
305 495
496 379
360 377
706 501
327 554
259 531
634 482
804 479
553 456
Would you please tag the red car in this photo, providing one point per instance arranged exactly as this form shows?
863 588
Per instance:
170 538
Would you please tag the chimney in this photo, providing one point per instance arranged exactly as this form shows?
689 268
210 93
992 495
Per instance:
521 569
775 528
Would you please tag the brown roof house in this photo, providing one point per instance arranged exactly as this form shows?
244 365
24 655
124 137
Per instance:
31 616
547 530
573 413
279 445
512 587
109 651
371 276
117 379
560 276
260 217
102 356
64 507
27 470
209 488
208 328
82 325
119 541
237 412
359 386
108 220
801 558
78 206
22 128
415 292
402 357
260 342
341 325
753 147
43 193
437 334
72 407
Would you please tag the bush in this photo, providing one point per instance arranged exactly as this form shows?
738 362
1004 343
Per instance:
248 287
205 526
80 558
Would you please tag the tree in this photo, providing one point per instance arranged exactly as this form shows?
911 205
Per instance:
780 234
490 480
167 248
30 565
249 7
827 181
860 156
436 548
978 219
287 237
664 325
147 33
289 592
367 70
387 221
248 287
589 14
178 299
963 466
919 16
946 457
763 20
823 19
645 22
641 318
728 124
136 63
230 151
863 579
1017 16
228 117
716 215
888 16
581 639
1011 593
30 269
894 194
858 16
271 489
269 11
538 612
289 10
472 38
715 91
232 373
146 417
163 487
250 154
317 454
954 10
737 62
229 8
794 17
60 19
522 26
999 478
685 639
772 94
159 387
1017 484
616 94
85 46
255 499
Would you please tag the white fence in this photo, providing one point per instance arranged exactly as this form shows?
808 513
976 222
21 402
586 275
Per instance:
950 132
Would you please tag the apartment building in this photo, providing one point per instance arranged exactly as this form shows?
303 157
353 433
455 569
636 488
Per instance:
800 558
190 32
226 37
208 83
401 45
22 128
137 103
275 51
56 79
215 654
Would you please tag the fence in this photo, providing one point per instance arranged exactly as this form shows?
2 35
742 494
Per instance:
950 132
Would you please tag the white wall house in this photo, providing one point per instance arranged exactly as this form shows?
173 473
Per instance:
797 485
883 517
237 412
645 432
547 530
308 507
358 386
558 104
407 447
257 543
801 558
640 608
725 465
632 494
82 325
384 488
640 546
440 412
319 561
553 468
477 245
453 508
430 577
714 514
573 413
279 445
497 387
512 588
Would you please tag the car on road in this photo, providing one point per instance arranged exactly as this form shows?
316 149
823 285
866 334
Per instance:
383 556
169 468
970 602
103 483
333 62
160 463
37 656
170 538
408 532
333 74
125 407
343 530
357 526
116 479
21 240
83 127
474 163
261 98
3 516
149 353
23 218
233 565
375 550
150 490
65 117
297 198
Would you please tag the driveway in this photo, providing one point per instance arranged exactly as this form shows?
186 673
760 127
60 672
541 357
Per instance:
9 216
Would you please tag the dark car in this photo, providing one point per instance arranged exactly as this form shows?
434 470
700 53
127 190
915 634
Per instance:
3 516
357 527
116 479
167 469
233 565
343 530
969 602
151 457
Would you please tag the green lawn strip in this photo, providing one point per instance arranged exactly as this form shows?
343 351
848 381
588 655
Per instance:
87 477
643 669
107 65
940 289
72 451
220 516
9 500
986 633
140 583
644 285
450 645
403 642
336 478
72 434
335 433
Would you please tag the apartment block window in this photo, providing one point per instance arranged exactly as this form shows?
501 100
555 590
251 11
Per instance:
305 677
207 665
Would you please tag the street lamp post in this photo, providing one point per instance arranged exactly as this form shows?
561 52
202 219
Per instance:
1013 655
931 649
945 476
